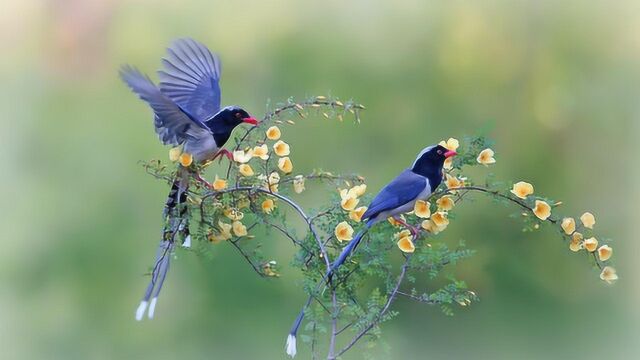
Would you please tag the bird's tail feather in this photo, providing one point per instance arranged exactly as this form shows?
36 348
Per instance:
175 221
348 250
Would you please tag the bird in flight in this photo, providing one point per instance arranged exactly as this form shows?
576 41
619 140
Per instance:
187 114
397 197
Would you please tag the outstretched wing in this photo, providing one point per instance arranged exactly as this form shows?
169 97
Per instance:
403 189
190 78
173 125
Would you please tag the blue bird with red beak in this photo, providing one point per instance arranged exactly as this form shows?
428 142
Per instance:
396 198
187 113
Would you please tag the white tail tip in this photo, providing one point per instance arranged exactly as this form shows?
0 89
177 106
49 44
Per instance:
291 345
187 242
141 309
152 307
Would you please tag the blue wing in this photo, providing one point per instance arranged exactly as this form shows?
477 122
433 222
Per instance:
403 189
191 77
173 125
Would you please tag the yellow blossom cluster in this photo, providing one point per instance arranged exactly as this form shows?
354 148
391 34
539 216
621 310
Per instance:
349 199
176 154
578 242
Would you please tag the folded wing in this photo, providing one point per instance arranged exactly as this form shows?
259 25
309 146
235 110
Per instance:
403 189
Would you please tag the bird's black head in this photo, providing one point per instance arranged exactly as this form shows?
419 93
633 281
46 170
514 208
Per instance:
230 117
223 123
430 161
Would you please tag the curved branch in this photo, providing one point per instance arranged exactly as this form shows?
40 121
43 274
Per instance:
286 200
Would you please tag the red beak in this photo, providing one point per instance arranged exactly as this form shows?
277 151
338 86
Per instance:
450 153
250 120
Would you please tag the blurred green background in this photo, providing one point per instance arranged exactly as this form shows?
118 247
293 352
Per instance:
557 82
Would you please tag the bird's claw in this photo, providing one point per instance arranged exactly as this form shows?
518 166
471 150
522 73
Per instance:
204 182
224 152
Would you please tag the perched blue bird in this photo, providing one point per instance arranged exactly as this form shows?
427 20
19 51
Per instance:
397 197
186 107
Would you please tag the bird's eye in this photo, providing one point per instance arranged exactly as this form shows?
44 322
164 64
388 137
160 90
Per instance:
237 115
439 152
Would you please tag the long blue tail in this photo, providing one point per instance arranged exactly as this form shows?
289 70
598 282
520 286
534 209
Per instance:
346 252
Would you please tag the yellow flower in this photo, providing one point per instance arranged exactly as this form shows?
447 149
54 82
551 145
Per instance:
406 245
448 163
401 234
576 242
608 274
431 227
215 238
186 159
233 214
268 205
239 229
605 252
285 165
440 220
358 190
453 182
298 184
451 144
486 157
588 220
568 225
349 203
281 148
273 181
445 203
542 210
522 189
245 170
395 222
422 209
591 244
344 231
575 245
242 156
261 152
225 233
273 133
219 184
356 214
349 199
174 153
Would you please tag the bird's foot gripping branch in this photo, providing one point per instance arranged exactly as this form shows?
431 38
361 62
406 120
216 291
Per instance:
395 258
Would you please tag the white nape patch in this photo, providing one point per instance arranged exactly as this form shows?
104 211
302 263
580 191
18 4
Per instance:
152 307
141 309
187 242
424 151
291 345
